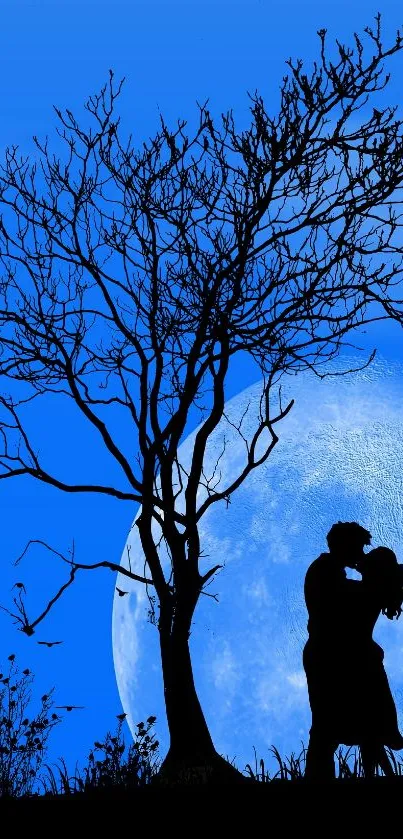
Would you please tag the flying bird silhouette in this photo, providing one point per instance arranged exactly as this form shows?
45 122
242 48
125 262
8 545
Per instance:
69 707
120 592
49 643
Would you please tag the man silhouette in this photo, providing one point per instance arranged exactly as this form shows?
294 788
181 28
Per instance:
327 654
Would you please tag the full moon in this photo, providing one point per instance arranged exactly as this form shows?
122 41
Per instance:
339 457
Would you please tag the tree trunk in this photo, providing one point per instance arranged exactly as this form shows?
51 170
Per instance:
192 757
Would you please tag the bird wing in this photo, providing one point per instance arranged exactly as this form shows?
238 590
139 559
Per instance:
50 643
69 707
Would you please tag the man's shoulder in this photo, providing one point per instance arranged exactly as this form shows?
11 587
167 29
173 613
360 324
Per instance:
323 568
321 563
320 559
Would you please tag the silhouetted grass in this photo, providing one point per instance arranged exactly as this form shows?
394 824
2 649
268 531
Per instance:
113 769
111 766
120 772
348 766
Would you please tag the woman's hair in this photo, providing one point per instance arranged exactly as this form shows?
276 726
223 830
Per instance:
381 569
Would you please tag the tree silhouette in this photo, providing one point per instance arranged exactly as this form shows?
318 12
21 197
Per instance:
132 278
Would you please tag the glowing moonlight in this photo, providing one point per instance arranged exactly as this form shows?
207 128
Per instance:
340 456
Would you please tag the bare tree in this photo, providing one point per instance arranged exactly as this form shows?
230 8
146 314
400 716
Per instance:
132 278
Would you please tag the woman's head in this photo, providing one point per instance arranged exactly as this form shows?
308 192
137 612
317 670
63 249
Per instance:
381 569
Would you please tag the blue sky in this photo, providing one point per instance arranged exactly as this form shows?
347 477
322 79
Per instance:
172 54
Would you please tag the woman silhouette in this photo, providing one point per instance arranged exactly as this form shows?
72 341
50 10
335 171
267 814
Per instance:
374 719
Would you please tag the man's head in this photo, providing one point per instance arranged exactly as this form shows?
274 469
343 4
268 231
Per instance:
346 540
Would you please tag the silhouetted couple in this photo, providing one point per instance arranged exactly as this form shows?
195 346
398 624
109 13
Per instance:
349 693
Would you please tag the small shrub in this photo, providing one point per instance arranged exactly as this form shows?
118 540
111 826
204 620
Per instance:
23 736
110 765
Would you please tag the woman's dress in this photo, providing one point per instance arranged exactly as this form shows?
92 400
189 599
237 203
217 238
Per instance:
349 692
